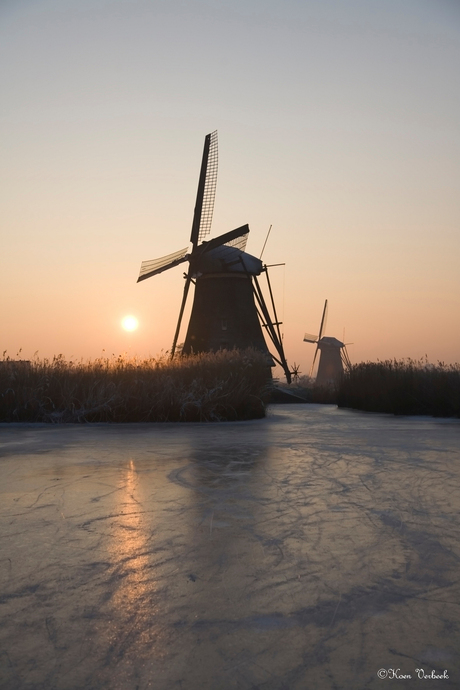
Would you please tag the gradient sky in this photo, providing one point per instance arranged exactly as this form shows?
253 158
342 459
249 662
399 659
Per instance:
339 125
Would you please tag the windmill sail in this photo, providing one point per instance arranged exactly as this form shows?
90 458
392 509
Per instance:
322 328
230 239
310 338
151 268
239 242
317 339
204 206
313 363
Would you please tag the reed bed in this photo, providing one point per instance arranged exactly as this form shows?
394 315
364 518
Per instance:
404 387
226 385
315 393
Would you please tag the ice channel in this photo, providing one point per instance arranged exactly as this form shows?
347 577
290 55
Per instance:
316 548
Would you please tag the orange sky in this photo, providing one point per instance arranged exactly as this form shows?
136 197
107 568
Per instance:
337 127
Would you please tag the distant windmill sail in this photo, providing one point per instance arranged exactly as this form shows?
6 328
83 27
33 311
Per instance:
322 328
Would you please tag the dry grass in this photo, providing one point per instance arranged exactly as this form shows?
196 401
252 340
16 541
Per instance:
404 387
226 385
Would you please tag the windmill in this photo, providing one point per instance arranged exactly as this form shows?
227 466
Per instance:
334 355
229 309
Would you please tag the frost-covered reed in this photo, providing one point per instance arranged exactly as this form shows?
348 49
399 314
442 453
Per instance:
226 385
403 387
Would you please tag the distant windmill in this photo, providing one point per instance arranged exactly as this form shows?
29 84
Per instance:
224 313
334 355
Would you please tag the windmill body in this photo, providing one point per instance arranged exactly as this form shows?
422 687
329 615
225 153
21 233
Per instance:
330 366
224 315
228 304
333 355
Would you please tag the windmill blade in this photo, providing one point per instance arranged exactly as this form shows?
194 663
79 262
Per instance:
226 238
239 242
345 358
151 268
323 322
206 193
310 338
314 360
188 280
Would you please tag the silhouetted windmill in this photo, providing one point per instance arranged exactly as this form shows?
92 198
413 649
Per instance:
224 313
334 355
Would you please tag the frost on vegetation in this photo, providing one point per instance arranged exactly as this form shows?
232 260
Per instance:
225 385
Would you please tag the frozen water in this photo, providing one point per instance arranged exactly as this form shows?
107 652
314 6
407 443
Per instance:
303 551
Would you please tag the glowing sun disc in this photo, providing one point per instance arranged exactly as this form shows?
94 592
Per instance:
130 323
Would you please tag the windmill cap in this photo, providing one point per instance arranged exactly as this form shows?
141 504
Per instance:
225 258
327 341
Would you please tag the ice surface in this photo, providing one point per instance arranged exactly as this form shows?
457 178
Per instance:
303 551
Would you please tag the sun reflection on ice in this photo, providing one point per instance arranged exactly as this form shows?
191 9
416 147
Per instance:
135 597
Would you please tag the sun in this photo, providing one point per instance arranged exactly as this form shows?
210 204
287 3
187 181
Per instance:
130 323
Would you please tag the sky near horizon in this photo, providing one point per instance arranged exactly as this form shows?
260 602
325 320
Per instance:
339 125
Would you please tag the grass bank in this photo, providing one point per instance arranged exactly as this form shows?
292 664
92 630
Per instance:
404 387
221 386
